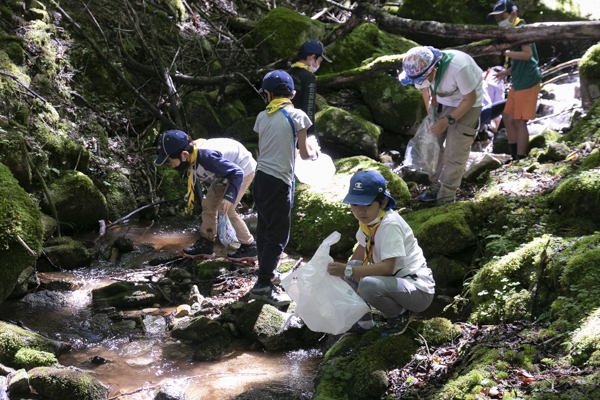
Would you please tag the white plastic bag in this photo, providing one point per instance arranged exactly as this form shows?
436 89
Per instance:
325 303
317 173
423 150
225 230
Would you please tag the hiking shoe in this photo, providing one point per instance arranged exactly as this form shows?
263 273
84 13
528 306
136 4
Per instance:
245 253
428 196
203 248
269 295
397 325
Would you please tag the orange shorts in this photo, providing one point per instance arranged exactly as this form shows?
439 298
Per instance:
522 104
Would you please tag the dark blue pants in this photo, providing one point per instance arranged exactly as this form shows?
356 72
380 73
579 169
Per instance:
273 202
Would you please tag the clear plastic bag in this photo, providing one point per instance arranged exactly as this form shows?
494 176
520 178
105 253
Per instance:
225 230
423 150
325 303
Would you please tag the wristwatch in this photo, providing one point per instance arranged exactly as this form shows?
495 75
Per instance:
348 271
451 120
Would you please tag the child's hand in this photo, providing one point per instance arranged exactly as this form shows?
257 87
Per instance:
336 269
225 206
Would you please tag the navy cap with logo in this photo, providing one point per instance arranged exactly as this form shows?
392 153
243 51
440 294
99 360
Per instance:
276 78
502 6
365 186
314 46
170 142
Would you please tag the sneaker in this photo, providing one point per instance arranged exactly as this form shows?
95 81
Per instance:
428 196
203 248
246 253
270 295
397 325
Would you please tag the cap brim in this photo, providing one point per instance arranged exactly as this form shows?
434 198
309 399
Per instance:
325 58
407 80
359 200
160 160
391 202
491 15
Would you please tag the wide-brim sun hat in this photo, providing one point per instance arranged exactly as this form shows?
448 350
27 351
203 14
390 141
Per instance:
418 63
365 186
170 142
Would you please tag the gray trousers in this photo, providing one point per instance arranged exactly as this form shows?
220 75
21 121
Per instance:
390 295
454 153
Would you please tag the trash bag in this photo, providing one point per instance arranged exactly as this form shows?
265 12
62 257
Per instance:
325 303
423 150
225 230
317 173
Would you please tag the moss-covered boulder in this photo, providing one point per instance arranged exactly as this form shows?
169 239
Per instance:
125 295
281 33
31 358
66 384
587 128
20 231
77 201
356 366
395 107
589 76
591 161
437 331
263 323
64 253
13 339
503 289
541 140
449 275
348 134
319 212
197 329
365 43
578 196
119 195
207 269
443 232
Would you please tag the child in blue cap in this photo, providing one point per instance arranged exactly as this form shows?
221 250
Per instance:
387 269
281 129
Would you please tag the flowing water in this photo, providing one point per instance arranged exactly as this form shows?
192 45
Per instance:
145 361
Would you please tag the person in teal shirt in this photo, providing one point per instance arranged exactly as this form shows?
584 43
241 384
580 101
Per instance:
522 66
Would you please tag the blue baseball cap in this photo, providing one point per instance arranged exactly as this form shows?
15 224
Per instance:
170 142
502 6
314 46
276 78
365 186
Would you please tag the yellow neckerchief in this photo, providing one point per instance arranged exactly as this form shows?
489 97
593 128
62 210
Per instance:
370 231
192 176
506 59
277 104
300 64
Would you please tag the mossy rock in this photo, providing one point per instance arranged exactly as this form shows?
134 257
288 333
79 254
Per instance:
319 212
64 253
119 195
443 230
438 331
587 128
20 231
77 201
31 358
591 161
543 139
365 43
259 321
13 339
66 384
207 269
449 275
589 66
281 33
125 295
578 196
348 134
395 107
197 329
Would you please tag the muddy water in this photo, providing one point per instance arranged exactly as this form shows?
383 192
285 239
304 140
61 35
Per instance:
145 361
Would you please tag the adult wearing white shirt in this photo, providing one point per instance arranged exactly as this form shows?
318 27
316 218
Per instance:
451 84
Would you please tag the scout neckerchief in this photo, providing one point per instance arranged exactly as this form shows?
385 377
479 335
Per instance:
300 64
441 69
278 104
506 59
192 176
370 231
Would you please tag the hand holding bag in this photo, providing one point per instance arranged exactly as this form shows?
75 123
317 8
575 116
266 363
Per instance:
325 303
423 150
225 230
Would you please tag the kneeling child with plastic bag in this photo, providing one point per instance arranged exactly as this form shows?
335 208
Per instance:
387 269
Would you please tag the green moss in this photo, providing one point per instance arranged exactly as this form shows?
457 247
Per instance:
30 358
541 140
589 66
66 384
592 160
437 331
578 196
210 269
587 128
